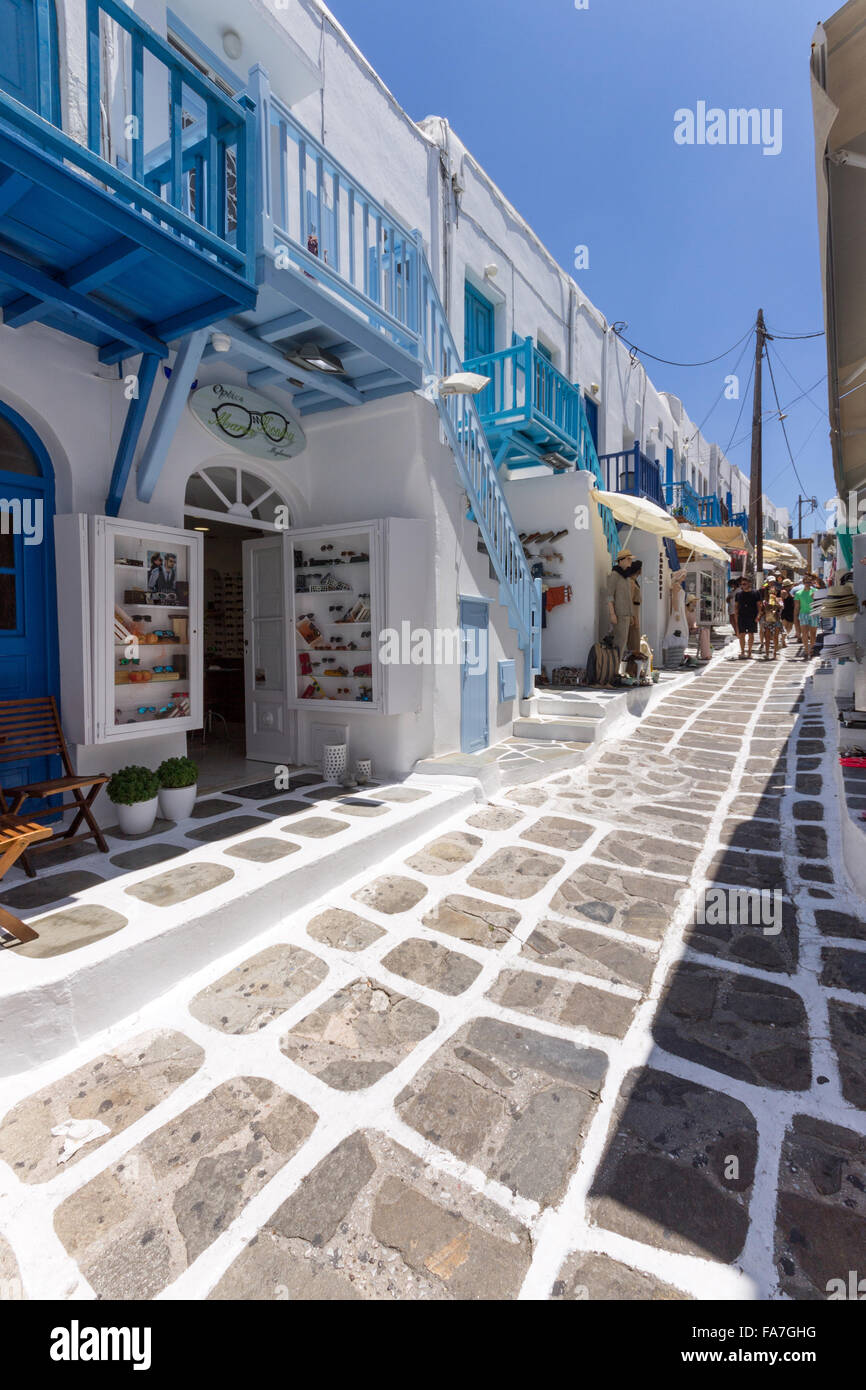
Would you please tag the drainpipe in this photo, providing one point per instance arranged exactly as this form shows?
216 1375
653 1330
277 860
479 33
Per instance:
572 314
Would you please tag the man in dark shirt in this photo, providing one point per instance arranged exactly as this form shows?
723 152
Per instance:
748 603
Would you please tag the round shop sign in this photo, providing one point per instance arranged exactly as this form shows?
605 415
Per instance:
248 421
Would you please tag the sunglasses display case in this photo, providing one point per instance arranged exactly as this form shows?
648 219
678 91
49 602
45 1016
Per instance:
707 581
139 630
350 583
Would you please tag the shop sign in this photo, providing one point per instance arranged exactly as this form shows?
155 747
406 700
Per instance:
248 421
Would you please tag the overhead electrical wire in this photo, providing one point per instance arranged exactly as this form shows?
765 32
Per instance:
782 423
668 363
718 398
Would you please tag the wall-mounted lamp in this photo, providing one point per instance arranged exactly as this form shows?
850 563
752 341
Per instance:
491 271
463 384
594 387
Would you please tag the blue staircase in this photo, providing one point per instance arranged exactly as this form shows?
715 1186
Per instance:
519 593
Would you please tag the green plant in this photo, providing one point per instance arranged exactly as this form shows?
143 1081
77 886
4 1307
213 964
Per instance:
132 784
177 772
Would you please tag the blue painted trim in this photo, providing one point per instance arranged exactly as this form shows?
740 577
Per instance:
45 485
171 408
131 432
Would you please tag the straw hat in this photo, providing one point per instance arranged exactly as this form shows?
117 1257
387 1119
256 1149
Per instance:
624 555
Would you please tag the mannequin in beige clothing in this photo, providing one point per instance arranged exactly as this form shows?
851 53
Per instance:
620 602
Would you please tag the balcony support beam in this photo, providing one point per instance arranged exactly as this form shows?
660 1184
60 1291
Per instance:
131 433
171 408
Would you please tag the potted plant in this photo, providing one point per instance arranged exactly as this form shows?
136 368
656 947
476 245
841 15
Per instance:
178 787
135 792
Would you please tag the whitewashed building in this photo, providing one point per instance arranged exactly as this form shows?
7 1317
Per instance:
235 275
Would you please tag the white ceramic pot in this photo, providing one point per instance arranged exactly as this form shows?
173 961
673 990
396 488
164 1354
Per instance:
138 818
334 761
364 771
176 803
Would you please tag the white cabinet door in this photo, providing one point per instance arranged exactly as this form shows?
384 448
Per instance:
270 725
147 602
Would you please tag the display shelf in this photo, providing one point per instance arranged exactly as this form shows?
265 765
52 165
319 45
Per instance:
132 602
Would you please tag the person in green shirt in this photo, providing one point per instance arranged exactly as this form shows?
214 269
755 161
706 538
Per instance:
807 617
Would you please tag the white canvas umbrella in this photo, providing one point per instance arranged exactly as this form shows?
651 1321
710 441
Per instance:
699 544
637 513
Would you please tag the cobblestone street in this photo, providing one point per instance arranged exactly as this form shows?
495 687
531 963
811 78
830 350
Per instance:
509 1062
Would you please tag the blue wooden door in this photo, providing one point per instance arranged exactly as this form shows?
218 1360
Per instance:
28 596
28 55
474 705
591 408
479 329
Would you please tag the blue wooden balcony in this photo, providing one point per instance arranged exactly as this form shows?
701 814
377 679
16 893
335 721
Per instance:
684 501
147 232
531 413
335 271
631 471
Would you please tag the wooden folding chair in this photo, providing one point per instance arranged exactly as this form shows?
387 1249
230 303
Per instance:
31 729
16 836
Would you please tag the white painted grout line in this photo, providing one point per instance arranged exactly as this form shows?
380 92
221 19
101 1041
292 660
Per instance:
26 1212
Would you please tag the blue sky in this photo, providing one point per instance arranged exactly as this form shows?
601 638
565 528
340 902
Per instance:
572 114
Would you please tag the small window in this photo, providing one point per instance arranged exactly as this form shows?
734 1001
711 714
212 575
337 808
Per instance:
16 456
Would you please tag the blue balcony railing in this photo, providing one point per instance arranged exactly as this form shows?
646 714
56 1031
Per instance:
631 471
533 409
181 174
317 218
710 510
178 149
476 467
682 500
525 390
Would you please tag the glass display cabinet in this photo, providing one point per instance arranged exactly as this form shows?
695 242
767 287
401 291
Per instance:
349 583
147 628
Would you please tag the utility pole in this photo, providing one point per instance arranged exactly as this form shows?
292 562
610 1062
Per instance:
813 505
756 482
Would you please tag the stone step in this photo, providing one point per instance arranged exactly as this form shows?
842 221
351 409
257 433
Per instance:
510 764
559 728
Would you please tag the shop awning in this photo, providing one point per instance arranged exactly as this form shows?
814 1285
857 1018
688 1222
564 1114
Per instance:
728 537
839 105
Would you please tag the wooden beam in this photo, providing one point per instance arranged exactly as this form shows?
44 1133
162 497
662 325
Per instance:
131 433
168 417
50 291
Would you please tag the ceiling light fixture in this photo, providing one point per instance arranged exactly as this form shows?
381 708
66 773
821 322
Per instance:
220 342
317 359
233 44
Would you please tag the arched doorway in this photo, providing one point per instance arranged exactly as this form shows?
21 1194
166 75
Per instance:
28 593
244 520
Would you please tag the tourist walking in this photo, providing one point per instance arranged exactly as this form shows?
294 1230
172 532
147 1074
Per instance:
807 616
771 617
748 605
